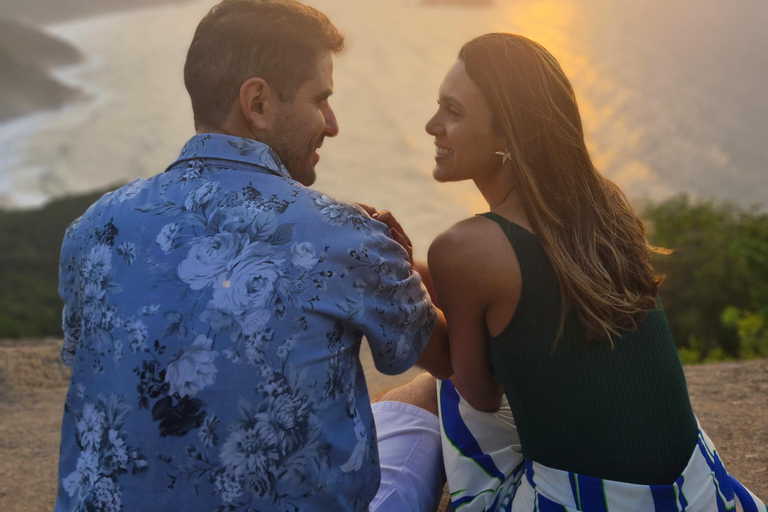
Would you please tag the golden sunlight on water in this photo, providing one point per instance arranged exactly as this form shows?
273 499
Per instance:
556 24
671 98
548 22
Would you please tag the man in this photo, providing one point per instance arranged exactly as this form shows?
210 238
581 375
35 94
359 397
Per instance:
214 312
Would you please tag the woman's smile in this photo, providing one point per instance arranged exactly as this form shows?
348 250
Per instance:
442 152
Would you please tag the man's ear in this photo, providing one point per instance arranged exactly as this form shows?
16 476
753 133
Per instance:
258 103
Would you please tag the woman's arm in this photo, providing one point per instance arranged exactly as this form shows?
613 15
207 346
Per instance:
463 273
422 267
436 357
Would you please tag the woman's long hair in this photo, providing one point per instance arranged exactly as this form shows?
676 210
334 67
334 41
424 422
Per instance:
595 242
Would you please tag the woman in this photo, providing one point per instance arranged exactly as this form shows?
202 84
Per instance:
551 301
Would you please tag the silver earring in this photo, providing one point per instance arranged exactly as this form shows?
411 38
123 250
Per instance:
506 155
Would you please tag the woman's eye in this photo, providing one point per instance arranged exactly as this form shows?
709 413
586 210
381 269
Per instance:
448 109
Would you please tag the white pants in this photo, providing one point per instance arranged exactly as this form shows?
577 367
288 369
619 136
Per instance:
410 457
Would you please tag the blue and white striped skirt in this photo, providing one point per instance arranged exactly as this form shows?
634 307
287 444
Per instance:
487 472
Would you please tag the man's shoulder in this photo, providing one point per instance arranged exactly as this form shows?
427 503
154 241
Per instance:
211 200
327 210
188 189
97 209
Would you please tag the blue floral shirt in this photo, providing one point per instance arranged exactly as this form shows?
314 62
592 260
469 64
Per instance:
213 318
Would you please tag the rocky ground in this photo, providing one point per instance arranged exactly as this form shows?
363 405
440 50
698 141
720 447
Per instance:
730 399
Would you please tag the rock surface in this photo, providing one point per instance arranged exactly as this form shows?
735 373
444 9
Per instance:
27 55
730 399
28 44
25 89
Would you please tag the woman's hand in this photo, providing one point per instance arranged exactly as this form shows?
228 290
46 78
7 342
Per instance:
398 234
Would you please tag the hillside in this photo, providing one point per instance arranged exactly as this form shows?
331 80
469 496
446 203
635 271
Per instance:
29 302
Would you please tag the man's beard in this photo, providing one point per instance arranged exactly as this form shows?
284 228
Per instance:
299 164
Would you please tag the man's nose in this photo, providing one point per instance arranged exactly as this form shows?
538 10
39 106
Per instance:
331 125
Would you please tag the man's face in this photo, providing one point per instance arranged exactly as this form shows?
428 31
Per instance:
302 125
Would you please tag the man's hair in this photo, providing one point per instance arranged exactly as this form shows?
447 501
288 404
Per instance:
279 41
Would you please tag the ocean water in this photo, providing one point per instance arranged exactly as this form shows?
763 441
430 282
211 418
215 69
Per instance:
672 94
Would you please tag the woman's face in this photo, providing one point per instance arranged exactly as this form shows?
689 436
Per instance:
462 127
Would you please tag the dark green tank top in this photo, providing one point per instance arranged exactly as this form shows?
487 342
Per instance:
620 413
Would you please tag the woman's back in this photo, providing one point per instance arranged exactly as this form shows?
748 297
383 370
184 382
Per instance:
620 413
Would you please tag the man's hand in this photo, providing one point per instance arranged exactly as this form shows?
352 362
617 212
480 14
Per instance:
398 234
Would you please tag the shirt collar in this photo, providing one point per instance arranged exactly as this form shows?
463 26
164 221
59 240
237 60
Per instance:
235 149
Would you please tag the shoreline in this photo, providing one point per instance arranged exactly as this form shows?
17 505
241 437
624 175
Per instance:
52 24
44 12
634 146
30 59
37 185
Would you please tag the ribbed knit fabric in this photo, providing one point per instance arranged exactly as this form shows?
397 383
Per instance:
620 413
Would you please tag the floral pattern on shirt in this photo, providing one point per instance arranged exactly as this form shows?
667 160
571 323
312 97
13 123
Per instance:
104 456
221 305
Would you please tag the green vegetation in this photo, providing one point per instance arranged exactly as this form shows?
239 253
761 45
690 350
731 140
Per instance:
29 253
715 288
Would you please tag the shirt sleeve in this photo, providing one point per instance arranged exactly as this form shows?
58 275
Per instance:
397 316
68 291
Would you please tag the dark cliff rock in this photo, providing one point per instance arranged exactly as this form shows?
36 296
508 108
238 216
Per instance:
27 54
28 44
26 88
51 11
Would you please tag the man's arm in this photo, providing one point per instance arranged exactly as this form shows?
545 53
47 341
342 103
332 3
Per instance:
435 358
68 291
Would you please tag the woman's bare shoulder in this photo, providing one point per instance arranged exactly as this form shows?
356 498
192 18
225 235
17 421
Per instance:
473 236
462 239
473 247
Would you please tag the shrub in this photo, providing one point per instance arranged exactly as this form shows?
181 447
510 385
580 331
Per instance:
29 254
715 288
